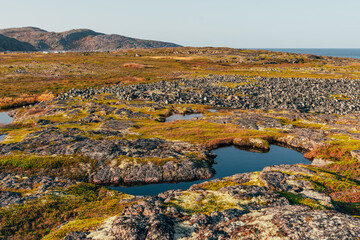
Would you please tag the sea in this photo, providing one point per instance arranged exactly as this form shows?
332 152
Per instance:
333 52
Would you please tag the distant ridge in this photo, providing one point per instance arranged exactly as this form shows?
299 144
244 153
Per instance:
36 39
11 44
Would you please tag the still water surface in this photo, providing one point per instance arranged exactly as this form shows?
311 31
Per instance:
230 160
4 119
334 52
176 117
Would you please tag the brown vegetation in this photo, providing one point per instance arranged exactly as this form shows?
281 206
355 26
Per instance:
25 76
133 65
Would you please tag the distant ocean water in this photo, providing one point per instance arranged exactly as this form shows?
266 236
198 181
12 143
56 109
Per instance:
334 52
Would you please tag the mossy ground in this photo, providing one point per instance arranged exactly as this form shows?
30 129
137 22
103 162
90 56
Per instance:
192 202
344 191
215 186
83 206
337 147
200 132
60 165
297 199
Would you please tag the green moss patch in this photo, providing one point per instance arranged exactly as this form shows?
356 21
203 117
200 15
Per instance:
297 199
155 160
27 162
61 165
85 206
74 226
215 186
344 191
194 202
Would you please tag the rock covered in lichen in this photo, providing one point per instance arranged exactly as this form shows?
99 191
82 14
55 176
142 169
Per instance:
243 206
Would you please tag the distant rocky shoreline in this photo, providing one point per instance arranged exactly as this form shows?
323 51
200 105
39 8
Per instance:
262 212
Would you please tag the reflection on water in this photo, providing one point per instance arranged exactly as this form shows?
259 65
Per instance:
5 118
230 160
175 117
335 52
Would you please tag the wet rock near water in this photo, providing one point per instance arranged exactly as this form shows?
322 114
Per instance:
116 159
252 208
249 120
300 138
109 142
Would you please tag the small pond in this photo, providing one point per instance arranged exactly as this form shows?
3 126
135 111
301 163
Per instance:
4 119
230 160
176 117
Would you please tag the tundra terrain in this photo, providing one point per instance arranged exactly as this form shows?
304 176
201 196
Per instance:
88 121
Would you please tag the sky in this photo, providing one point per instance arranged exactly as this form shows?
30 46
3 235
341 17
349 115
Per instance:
217 23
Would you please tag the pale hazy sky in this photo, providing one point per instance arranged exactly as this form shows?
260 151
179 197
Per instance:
228 23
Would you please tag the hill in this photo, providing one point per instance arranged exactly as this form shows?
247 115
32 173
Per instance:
11 44
37 39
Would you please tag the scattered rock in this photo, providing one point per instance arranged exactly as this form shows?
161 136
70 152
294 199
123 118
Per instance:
116 125
320 162
301 94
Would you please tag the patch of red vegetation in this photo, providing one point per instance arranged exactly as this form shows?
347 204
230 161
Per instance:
219 142
332 152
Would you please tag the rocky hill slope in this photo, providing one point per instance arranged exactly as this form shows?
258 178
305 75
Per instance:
36 39
11 44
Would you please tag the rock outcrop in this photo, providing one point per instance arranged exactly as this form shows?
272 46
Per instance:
243 206
17 189
118 160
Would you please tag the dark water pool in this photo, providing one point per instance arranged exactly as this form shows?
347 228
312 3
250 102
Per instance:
230 160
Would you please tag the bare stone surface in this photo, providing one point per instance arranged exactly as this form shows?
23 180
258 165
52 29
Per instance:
259 212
